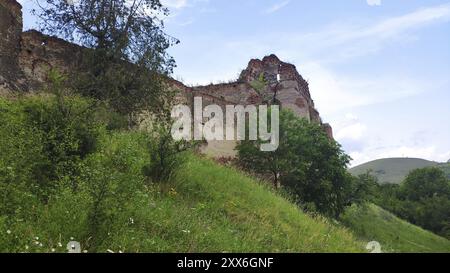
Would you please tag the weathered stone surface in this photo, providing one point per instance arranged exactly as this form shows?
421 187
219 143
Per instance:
39 53
11 78
26 58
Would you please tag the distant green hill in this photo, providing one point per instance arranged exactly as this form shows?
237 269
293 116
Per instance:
372 223
394 170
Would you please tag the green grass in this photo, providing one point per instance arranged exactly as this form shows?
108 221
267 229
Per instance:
372 223
109 205
225 210
211 208
394 170
206 208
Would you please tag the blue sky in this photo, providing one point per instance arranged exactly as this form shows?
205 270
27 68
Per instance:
378 69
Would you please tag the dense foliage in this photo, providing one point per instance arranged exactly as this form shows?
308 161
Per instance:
62 175
114 207
307 163
422 199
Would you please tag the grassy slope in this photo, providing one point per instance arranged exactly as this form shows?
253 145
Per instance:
393 170
395 235
211 208
220 209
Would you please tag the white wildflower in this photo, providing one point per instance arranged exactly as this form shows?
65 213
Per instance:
53 250
26 247
59 244
8 231
109 251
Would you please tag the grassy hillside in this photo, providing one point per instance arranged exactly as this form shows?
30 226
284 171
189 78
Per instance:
394 170
103 200
206 208
395 235
210 208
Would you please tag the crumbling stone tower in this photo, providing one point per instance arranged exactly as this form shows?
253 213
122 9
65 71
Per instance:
11 77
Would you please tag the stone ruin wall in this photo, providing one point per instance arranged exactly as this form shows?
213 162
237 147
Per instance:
10 36
26 58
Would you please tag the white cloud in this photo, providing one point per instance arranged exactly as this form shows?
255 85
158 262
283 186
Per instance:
374 2
340 42
350 129
276 7
180 4
177 4
334 91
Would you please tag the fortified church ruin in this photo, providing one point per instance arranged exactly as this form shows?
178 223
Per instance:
26 57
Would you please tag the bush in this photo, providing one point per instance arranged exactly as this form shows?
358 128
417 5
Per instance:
66 137
166 155
43 146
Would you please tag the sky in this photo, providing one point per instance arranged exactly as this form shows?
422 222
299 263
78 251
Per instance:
379 70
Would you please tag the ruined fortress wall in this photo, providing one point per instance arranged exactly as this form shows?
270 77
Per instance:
39 53
10 36
27 57
232 93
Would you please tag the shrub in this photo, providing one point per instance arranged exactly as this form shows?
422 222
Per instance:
66 137
166 154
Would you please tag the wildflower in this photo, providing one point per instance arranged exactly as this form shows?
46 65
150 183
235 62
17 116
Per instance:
186 231
131 221
36 243
40 244
8 231
53 250
85 251
173 192
109 251
59 244
37 238
26 247
71 238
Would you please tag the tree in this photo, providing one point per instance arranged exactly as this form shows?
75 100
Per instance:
307 163
425 195
125 61
365 188
422 199
272 165
425 183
